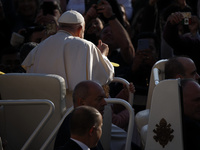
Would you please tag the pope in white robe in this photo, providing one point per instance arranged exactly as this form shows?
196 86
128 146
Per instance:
72 57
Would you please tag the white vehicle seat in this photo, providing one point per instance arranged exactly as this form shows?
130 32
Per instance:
35 86
165 129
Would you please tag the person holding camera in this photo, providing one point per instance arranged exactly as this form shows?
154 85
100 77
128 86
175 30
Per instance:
182 45
47 18
45 23
194 26
121 49
48 13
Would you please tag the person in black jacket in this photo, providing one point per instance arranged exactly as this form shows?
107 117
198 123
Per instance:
87 93
85 127
182 45
191 119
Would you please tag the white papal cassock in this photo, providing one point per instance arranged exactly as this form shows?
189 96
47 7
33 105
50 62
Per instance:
73 58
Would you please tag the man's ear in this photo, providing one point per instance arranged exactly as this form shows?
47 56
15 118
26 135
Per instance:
81 102
91 131
80 32
179 76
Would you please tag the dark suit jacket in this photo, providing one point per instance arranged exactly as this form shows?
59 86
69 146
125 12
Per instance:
191 134
71 145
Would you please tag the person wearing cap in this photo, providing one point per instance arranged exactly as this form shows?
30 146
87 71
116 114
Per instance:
67 54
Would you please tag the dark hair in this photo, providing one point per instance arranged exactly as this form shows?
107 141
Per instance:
83 118
149 35
25 49
49 6
27 33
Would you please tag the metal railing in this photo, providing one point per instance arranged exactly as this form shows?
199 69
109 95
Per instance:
33 102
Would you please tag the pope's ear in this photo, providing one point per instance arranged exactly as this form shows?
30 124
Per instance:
80 31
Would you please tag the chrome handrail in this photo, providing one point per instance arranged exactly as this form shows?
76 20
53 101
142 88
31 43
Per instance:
33 102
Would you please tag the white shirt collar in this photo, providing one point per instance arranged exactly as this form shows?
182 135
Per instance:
82 145
64 32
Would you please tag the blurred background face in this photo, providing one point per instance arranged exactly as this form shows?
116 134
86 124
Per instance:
95 26
93 30
146 43
26 7
107 37
37 36
48 14
51 7
146 50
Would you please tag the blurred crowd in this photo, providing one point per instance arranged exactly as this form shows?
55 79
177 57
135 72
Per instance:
146 32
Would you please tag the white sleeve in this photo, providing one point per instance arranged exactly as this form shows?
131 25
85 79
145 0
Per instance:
101 69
